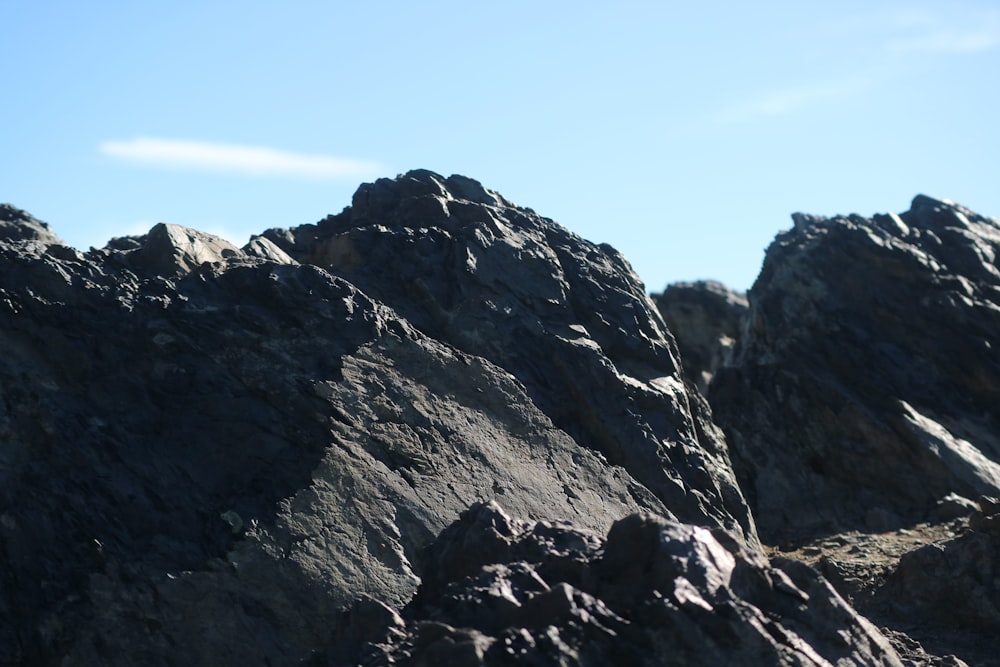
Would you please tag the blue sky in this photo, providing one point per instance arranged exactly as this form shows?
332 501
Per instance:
684 134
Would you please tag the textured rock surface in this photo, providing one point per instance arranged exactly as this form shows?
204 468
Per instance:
947 593
218 455
866 383
705 318
859 565
18 225
654 592
207 451
567 318
206 460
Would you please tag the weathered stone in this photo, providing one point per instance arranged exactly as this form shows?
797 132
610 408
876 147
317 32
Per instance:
169 250
251 443
501 591
18 225
213 455
569 319
867 376
266 250
953 506
705 317
208 452
947 594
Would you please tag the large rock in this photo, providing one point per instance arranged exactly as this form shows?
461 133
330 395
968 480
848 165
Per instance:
203 466
705 317
569 319
498 591
865 386
947 593
206 451
18 225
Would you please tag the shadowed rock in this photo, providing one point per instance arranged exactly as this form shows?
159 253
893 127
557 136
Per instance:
705 317
865 386
569 319
18 225
208 451
219 455
499 591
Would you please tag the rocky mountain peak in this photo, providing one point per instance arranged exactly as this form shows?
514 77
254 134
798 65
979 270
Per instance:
169 249
18 225
706 317
439 428
379 199
874 334
568 318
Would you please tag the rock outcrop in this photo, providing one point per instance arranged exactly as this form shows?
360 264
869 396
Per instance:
864 387
569 319
18 225
705 317
208 451
438 428
947 593
653 592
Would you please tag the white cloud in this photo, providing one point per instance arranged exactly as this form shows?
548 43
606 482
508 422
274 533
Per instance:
790 100
948 41
255 160
906 31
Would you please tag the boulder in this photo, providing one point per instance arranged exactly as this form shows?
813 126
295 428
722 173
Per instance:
207 452
171 250
950 585
18 225
705 317
863 388
568 318
500 591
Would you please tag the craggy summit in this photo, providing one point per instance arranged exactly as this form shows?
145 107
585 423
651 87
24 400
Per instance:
438 428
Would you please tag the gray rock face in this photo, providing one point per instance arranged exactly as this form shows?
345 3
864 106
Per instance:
569 319
296 452
18 225
207 452
948 593
865 386
706 318
203 466
498 591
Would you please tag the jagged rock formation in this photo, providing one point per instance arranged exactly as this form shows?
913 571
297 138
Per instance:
297 452
208 451
947 593
705 317
865 385
566 317
18 225
654 592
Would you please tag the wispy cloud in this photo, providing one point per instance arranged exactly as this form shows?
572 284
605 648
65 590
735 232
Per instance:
985 38
909 31
254 160
790 100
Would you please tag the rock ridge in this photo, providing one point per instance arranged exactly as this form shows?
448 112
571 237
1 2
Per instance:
437 427
868 340
209 450
566 317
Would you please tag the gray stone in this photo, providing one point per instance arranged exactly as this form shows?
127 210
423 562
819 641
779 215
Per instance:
18 225
501 591
706 318
949 586
867 375
208 452
569 319
953 506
